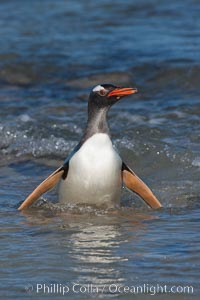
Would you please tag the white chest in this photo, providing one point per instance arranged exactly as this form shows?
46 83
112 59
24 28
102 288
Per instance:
94 174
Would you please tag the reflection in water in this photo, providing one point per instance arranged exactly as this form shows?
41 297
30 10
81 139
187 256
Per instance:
93 243
120 248
96 247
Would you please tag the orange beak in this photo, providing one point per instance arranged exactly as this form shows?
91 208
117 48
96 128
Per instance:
119 92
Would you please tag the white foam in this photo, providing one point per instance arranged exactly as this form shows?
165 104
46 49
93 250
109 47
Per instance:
196 162
25 118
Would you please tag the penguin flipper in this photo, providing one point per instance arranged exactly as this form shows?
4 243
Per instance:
135 184
45 186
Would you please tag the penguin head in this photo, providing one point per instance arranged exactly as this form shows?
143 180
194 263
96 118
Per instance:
105 95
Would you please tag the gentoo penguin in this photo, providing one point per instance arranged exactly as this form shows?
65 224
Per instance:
94 172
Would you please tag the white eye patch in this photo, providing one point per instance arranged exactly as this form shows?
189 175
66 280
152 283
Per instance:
98 88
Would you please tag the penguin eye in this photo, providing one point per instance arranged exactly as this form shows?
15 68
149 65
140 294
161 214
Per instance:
102 92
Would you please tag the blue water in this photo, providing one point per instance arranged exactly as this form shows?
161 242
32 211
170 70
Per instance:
52 53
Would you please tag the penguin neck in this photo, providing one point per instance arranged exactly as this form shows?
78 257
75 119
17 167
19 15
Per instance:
97 121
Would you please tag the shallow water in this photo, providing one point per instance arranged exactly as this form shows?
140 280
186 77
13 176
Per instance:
52 53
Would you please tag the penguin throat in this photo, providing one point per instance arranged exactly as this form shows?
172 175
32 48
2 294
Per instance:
97 122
